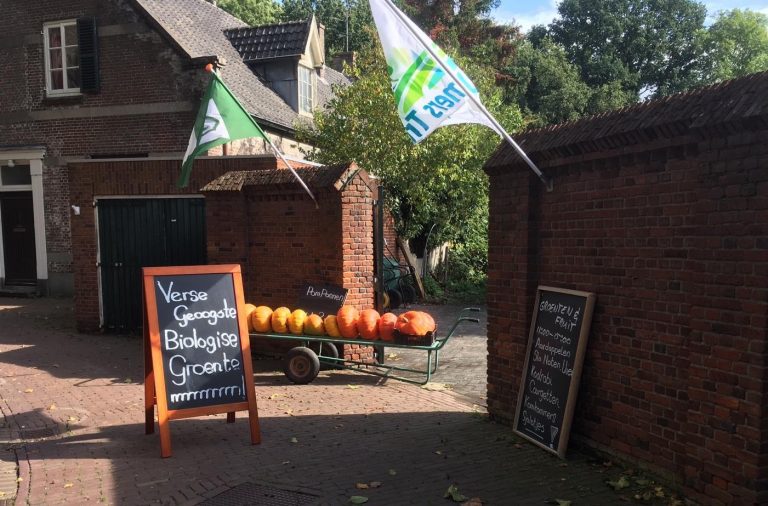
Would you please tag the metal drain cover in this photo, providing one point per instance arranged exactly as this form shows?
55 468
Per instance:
251 494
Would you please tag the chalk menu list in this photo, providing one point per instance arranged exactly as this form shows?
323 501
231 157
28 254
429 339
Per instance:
558 327
199 340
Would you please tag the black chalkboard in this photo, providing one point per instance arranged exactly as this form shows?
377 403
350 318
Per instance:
199 340
321 299
553 363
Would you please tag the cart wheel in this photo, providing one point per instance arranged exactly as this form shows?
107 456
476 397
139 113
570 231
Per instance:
395 299
301 365
329 350
409 293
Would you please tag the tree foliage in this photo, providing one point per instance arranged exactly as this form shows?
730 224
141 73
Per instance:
253 12
439 181
737 44
646 45
337 16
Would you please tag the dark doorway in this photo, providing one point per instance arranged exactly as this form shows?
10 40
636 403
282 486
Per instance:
18 228
136 233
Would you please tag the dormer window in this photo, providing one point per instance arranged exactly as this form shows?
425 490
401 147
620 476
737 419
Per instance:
62 58
306 90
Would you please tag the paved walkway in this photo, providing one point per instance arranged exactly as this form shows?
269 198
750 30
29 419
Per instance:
73 411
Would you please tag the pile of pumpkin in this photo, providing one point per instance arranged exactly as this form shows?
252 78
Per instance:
347 323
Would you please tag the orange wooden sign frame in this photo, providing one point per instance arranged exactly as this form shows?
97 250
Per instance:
154 383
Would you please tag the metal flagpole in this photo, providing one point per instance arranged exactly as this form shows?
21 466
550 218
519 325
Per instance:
266 137
475 100
280 154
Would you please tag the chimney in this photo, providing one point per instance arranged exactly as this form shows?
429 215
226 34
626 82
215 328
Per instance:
340 59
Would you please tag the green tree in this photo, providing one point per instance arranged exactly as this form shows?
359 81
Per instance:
253 12
549 88
337 16
439 181
737 44
650 46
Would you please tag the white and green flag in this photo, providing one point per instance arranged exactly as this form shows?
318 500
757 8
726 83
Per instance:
426 94
221 119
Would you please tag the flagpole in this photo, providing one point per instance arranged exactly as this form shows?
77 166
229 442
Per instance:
280 154
271 145
500 129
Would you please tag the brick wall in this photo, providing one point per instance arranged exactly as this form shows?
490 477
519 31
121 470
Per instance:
91 180
283 241
670 235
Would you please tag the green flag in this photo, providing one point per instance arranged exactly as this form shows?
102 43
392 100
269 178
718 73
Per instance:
221 119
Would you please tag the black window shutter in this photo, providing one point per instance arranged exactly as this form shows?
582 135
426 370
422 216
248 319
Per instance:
88 40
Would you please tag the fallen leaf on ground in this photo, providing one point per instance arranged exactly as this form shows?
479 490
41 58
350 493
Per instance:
52 407
361 486
294 440
353 387
619 484
286 462
454 494
437 387
438 452
392 472
68 485
358 499
29 390
275 396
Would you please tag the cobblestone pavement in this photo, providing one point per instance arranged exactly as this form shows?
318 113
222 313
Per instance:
73 406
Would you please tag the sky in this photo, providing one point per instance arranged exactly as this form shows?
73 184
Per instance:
527 13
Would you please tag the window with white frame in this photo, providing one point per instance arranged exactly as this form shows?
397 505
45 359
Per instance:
62 58
306 90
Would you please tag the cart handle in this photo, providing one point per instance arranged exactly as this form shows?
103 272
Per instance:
460 319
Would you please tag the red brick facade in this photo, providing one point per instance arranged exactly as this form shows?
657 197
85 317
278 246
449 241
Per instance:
282 241
670 232
90 180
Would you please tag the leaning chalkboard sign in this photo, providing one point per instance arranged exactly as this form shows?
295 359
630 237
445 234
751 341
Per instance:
197 350
553 362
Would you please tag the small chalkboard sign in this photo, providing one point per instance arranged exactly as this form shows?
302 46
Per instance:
321 299
553 363
197 356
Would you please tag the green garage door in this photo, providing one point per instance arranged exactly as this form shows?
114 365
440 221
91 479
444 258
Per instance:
136 233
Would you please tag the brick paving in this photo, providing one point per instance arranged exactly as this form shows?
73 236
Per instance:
74 407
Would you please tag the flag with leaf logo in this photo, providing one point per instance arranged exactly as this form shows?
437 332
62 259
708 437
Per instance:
221 119
426 95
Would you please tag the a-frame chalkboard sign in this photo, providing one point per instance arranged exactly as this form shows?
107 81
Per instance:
197 355
553 362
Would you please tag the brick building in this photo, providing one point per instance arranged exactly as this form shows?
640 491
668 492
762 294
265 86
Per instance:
97 82
661 210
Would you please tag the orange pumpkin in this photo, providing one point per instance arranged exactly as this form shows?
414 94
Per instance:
314 325
413 323
248 310
387 326
346 319
432 324
296 321
261 319
368 324
280 320
331 328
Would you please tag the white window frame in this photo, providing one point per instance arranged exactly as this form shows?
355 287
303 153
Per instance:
312 90
47 49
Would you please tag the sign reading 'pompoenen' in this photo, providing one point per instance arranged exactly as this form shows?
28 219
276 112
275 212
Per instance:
197 352
556 347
